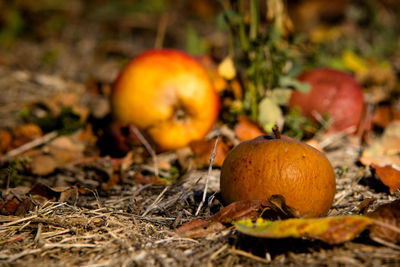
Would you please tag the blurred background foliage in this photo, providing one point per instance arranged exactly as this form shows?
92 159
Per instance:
94 38
323 29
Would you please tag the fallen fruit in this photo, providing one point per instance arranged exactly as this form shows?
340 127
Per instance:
169 95
334 93
268 165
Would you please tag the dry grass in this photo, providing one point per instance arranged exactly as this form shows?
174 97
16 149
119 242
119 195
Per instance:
134 225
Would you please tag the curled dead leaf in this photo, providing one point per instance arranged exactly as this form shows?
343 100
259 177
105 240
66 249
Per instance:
273 208
389 175
246 129
388 222
203 149
386 149
384 114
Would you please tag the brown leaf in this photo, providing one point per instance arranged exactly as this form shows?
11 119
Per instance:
64 150
240 210
389 217
68 193
235 211
384 114
246 129
16 206
56 194
5 141
199 228
9 207
389 175
273 208
203 149
43 164
364 205
44 191
386 149
25 133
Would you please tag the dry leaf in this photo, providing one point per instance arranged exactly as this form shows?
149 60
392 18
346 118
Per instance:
45 191
56 194
203 149
64 150
199 228
384 114
5 141
273 208
43 164
16 206
364 205
235 211
332 230
240 209
389 175
386 150
246 129
25 133
389 217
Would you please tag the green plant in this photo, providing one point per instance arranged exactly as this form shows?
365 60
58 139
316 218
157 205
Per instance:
261 46
12 172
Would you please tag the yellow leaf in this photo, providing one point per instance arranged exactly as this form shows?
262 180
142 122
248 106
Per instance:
325 34
227 69
332 230
354 63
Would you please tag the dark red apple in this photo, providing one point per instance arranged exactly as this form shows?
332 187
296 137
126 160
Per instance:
333 92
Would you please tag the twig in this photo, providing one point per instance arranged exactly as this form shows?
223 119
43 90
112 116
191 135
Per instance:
66 246
325 124
248 255
162 28
22 254
147 146
25 147
388 226
38 236
208 176
334 137
385 243
155 201
176 239
341 196
18 221
216 253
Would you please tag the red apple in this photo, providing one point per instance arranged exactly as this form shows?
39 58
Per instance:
333 92
168 94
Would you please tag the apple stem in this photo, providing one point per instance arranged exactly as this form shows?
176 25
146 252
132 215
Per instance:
276 131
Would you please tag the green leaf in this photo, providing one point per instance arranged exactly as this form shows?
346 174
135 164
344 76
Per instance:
291 82
281 96
222 25
233 16
194 45
332 230
269 113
